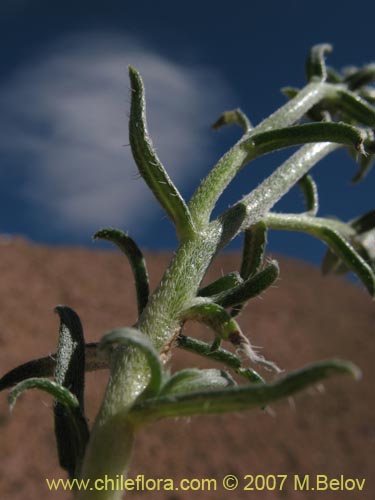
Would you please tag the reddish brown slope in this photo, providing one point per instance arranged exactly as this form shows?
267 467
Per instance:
303 319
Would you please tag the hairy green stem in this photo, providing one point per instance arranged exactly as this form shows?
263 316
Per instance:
159 320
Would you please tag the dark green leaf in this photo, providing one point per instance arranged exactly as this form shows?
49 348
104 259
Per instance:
361 77
95 359
366 164
240 398
71 428
315 64
340 133
254 245
250 288
221 355
233 117
136 260
223 283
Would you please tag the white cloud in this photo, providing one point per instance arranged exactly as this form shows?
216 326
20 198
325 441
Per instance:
66 113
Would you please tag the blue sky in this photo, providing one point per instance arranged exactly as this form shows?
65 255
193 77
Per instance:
64 100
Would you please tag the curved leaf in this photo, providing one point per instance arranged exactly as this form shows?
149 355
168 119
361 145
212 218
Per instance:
361 77
193 379
310 192
137 262
133 337
340 133
315 63
233 117
225 327
149 164
240 398
223 283
250 288
60 393
221 355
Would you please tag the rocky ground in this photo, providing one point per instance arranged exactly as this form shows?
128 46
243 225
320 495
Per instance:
306 317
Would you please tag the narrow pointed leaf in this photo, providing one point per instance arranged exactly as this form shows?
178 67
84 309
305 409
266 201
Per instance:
226 328
254 245
137 262
350 257
60 393
290 92
364 223
252 287
241 398
215 317
354 106
364 76
315 64
332 264
310 193
133 337
339 133
223 283
233 117
333 76
220 355
335 234
365 164
192 379
71 429
149 164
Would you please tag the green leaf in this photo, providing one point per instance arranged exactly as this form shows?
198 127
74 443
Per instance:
340 133
60 393
133 337
223 283
351 258
361 77
240 398
354 106
362 241
71 429
216 318
254 245
220 355
137 262
42 367
315 64
310 192
233 117
149 164
335 234
333 76
364 223
366 164
225 327
250 288
193 379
